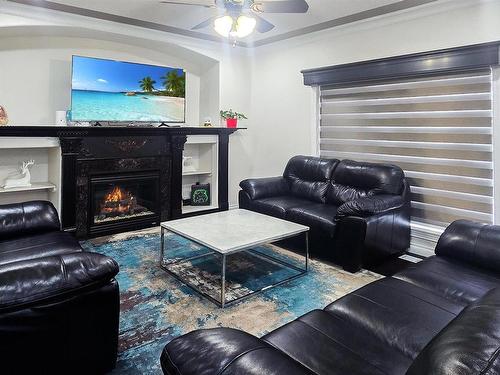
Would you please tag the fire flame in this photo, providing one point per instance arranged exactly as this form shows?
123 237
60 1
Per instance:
116 195
124 199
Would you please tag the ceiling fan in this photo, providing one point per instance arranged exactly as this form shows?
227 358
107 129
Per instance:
238 18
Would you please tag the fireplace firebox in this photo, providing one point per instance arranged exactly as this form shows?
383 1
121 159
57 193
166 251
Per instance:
124 201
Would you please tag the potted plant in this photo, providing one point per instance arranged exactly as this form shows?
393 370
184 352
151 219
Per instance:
232 118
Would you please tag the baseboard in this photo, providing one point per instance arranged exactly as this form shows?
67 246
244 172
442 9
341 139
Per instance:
424 238
233 206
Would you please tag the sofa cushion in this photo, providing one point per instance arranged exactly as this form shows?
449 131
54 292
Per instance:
328 345
308 177
37 245
339 194
451 279
402 316
277 206
353 180
369 206
470 344
314 215
378 329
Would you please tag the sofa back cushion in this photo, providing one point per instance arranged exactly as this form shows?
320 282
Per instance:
469 344
473 243
21 219
308 176
352 180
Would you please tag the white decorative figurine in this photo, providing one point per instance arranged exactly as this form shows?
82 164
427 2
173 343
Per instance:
20 181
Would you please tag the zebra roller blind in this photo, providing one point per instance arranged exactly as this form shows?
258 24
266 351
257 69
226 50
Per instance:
438 129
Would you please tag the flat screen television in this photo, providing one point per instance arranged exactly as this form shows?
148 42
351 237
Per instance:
115 91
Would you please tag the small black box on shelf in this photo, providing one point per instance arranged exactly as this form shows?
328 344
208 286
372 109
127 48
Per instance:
200 194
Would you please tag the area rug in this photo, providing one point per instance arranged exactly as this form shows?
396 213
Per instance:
156 307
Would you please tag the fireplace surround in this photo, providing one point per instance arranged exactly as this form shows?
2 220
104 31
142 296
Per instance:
96 165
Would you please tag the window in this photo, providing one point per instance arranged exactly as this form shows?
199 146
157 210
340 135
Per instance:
438 129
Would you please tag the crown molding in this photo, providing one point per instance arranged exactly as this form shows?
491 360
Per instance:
360 16
356 17
118 19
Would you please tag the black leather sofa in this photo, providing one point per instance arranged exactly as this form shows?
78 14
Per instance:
440 317
358 213
59 305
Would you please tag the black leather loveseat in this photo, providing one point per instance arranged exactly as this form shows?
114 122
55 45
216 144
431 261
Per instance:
440 317
359 213
59 305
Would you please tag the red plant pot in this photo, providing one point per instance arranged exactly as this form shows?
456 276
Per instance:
232 122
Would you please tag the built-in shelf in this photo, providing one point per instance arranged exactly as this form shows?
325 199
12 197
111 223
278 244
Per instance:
34 186
202 167
191 209
195 173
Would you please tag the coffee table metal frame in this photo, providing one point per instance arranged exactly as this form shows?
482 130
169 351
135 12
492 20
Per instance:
223 303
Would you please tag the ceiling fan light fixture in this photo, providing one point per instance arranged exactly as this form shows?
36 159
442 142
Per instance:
245 26
223 25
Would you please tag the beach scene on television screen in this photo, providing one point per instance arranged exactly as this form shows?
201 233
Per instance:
106 90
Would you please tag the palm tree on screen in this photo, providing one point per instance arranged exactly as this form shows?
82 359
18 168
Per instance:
174 83
147 84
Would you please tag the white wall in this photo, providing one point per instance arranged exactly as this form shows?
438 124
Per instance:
283 108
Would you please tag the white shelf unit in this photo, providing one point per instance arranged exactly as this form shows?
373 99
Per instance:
204 153
45 174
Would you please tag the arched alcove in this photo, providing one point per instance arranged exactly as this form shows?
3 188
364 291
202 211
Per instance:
35 69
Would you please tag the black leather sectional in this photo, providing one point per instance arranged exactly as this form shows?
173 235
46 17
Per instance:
440 316
359 213
59 305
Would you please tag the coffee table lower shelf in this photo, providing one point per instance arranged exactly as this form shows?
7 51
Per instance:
223 302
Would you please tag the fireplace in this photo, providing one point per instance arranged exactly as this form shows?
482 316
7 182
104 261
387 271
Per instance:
144 163
123 201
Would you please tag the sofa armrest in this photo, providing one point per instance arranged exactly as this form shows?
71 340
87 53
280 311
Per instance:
258 188
225 351
368 206
26 283
473 243
360 239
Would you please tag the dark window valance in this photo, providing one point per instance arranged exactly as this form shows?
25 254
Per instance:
451 60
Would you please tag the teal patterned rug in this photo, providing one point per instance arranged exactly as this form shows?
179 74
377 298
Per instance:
156 307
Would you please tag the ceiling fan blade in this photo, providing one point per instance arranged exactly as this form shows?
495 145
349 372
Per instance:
206 4
262 25
288 6
204 24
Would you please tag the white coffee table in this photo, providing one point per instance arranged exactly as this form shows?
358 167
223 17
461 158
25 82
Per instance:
229 232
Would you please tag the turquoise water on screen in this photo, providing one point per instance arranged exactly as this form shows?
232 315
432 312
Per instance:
110 106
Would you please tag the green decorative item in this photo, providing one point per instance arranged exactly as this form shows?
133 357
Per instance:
232 115
200 194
